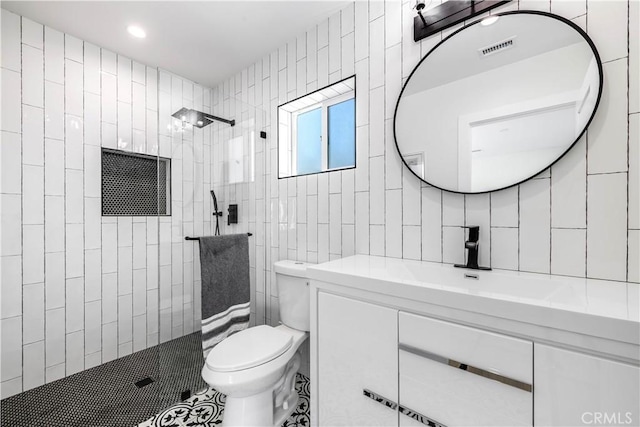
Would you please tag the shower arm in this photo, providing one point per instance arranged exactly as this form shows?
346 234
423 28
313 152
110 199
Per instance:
219 119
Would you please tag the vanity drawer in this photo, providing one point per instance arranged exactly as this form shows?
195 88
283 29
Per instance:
454 375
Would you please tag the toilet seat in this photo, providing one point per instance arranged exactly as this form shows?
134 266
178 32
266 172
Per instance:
249 348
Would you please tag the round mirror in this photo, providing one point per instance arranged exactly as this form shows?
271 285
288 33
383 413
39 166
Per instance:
497 102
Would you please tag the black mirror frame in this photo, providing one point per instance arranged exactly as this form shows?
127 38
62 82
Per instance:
518 12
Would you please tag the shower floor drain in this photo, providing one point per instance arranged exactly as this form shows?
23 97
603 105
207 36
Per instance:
143 382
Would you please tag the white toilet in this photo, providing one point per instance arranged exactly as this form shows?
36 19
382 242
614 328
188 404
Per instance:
256 368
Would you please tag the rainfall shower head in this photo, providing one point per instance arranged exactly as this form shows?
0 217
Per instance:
198 118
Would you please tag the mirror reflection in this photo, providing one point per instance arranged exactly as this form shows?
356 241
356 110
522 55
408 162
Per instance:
498 102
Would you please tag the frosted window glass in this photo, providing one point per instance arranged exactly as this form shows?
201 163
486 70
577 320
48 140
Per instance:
309 137
342 135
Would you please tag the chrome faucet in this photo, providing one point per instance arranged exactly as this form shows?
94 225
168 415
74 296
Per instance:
472 245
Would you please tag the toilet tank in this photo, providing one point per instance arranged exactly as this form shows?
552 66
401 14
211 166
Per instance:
293 293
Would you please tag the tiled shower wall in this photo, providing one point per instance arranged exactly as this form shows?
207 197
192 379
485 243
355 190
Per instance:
79 289
579 218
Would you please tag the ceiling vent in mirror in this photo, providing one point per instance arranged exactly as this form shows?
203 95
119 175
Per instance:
497 47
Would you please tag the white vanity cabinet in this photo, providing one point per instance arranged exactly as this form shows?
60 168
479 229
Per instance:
405 343
574 389
357 353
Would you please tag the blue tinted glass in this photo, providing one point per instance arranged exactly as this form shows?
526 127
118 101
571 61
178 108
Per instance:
309 140
342 134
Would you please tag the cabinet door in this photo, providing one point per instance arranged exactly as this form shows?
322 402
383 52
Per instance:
574 389
454 375
357 363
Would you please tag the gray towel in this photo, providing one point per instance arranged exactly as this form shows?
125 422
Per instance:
224 263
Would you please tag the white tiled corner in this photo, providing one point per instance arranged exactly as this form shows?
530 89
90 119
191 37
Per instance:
11 350
568 247
535 226
606 226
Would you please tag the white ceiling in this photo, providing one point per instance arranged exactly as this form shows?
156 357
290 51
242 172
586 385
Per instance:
205 41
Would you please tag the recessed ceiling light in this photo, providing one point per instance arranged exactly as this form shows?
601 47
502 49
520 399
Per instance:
489 20
136 31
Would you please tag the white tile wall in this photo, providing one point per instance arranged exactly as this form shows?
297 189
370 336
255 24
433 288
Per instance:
91 281
548 225
539 226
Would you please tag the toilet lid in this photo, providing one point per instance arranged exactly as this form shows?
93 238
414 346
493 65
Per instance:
248 348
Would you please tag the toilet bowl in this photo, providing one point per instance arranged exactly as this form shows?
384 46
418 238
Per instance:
256 368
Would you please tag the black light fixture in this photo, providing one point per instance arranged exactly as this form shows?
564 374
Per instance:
198 118
448 14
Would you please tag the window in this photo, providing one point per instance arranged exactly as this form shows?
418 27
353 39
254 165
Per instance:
317 132
135 184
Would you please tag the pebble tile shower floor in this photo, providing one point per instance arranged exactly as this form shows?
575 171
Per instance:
107 396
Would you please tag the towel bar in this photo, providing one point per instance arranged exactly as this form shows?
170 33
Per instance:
197 238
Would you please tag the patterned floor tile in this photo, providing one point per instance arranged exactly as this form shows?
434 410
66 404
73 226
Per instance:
206 408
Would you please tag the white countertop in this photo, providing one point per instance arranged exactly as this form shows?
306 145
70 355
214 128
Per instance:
598 308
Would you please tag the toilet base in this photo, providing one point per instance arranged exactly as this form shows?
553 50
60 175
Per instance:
268 408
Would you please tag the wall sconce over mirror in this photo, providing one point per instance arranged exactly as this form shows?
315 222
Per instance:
431 20
494 105
317 132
